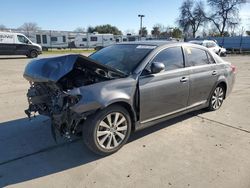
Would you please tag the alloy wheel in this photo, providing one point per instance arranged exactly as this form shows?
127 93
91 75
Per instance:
112 130
217 98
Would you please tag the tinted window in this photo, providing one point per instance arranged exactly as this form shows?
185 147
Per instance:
64 38
53 39
22 39
84 39
38 39
44 39
171 57
210 58
196 56
93 38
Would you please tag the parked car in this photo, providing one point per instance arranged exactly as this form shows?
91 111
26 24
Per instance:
126 87
211 45
18 44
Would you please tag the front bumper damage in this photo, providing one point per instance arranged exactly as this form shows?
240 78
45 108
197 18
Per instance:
47 99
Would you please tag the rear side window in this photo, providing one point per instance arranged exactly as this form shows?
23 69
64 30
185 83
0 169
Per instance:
196 56
172 58
210 58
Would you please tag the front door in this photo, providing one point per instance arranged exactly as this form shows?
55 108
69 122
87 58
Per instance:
22 45
166 92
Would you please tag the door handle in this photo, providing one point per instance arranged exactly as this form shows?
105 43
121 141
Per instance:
214 73
184 79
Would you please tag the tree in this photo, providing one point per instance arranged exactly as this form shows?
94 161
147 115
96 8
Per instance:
28 27
176 33
80 30
248 33
224 13
107 29
156 31
191 16
143 32
2 27
90 29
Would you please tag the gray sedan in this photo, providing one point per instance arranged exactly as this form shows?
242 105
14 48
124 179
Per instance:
124 88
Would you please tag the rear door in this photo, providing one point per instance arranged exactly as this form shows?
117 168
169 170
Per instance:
166 92
203 75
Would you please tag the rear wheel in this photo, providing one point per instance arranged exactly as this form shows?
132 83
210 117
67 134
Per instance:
33 54
217 98
108 130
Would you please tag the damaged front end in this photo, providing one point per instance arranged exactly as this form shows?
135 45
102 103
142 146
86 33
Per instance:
51 81
49 100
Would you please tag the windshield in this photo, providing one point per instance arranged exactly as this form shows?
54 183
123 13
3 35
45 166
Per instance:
123 57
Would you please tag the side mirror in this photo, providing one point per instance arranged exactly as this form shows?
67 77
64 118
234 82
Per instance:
157 67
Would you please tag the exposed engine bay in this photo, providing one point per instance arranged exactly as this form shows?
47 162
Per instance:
51 97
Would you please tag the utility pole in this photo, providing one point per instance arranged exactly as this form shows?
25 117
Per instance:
140 31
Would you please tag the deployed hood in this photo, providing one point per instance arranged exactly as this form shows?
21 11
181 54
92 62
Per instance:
53 69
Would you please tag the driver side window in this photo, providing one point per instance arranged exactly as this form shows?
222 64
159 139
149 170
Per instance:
22 39
171 57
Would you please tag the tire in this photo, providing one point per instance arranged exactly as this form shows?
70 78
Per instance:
217 98
33 54
113 124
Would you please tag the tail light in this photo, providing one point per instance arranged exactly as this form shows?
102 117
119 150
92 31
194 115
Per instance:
233 67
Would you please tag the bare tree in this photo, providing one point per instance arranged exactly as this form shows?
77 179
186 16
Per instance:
2 27
224 13
191 16
80 30
28 27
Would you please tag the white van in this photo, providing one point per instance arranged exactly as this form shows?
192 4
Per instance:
18 44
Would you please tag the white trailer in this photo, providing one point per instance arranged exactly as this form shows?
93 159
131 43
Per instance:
48 38
93 40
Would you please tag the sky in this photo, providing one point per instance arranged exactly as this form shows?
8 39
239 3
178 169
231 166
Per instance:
68 15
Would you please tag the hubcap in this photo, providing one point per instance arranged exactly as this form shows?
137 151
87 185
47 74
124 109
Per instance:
112 130
217 98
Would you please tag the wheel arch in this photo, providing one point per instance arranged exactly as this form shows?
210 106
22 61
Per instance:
224 85
129 108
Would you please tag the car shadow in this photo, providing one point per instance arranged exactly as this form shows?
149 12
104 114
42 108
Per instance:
14 57
28 151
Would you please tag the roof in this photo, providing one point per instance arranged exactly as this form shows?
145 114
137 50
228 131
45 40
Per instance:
151 42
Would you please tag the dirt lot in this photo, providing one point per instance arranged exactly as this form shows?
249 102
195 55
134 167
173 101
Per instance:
200 149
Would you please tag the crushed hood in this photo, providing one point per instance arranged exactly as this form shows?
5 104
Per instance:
54 68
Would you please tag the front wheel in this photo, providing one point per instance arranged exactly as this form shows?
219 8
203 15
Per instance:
108 130
33 54
217 98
